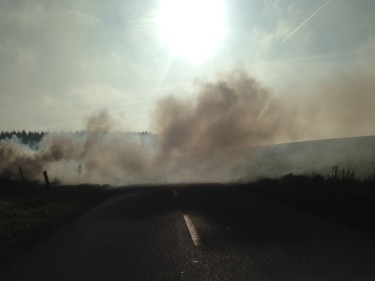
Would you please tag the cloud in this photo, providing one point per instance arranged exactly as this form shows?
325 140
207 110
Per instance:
268 39
305 22
51 51
282 19
81 17
95 96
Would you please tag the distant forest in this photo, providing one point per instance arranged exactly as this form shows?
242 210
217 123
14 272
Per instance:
23 136
31 138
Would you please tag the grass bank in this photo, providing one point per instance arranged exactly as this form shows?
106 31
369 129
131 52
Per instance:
350 201
29 212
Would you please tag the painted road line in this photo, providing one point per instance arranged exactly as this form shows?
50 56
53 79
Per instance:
174 192
193 231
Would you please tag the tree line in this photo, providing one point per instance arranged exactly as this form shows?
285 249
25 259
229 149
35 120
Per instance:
32 138
23 136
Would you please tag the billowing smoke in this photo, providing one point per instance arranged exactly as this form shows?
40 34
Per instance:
201 138
232 112
218 135
97 156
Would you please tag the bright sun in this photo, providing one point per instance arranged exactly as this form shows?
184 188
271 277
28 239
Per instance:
192 28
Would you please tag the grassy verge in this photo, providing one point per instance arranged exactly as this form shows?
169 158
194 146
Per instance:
29 212
349 201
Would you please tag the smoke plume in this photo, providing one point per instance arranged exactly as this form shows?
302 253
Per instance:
232 112
220 134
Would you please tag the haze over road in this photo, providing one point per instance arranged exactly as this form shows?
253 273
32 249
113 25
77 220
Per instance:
141 234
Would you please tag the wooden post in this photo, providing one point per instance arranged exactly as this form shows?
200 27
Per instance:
46 178
21 174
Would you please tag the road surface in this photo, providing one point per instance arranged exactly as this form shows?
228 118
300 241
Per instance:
143 234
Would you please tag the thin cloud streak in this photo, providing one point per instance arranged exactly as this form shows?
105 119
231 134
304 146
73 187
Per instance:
304 22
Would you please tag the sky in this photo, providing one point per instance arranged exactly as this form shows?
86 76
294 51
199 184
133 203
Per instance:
63 60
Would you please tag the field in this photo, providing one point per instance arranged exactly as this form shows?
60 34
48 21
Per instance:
346 200
29 212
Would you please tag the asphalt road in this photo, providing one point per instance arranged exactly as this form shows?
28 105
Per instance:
142 235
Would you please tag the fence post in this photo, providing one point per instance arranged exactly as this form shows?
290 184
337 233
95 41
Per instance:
21 174
46 178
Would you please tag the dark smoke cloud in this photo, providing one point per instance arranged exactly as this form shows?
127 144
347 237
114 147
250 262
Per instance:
212 136
232 112
200 138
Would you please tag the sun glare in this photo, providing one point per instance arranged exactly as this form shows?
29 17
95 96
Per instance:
192 28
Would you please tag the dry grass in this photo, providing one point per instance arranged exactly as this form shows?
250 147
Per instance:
345 199
30 211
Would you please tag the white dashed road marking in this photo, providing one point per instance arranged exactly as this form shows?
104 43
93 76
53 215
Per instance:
193 232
